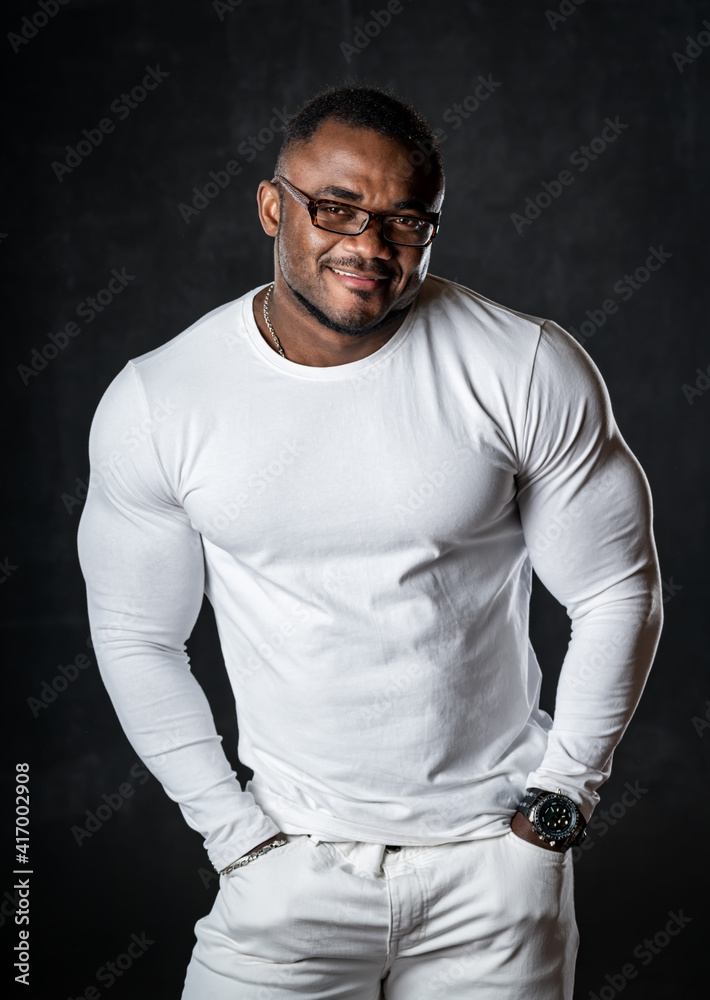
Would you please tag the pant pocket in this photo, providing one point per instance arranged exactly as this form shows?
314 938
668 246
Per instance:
554 858
292 842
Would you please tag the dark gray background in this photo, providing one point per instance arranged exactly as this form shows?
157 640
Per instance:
141 871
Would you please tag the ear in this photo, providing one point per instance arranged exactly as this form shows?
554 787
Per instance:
267 197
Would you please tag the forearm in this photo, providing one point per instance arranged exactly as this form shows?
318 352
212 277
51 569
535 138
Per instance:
168 721
601 681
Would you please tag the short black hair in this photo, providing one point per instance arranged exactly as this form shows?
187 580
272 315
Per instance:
367 108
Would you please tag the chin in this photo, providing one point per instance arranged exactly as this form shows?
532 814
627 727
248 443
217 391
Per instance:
352 323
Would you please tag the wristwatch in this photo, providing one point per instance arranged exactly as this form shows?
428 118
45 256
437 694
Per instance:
556 819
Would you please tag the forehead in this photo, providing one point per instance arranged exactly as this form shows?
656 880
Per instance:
380 170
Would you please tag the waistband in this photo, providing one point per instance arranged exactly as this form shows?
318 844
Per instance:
372 857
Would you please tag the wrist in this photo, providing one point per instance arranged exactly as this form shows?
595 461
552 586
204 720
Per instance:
523 828
268 845
549 818
276 836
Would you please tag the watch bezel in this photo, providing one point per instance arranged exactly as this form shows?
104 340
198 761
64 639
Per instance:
575 828
543 830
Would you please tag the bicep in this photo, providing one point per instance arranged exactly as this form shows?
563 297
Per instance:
591 533
141 558
584 501
144 571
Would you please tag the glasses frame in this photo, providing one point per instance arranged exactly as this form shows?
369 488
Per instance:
312 206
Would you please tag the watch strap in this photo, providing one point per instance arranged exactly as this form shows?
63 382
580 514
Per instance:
528 800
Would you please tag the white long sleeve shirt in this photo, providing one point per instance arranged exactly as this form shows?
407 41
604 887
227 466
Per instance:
366 535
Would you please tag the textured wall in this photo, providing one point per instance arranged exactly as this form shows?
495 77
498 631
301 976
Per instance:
612 93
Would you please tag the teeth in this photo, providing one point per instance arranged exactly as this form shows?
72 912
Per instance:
350 274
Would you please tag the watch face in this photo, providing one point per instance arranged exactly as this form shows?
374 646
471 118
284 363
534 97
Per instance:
555 817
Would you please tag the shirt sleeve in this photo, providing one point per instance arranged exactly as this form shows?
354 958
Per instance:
144 571
586 513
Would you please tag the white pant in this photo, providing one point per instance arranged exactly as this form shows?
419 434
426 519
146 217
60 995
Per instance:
489 919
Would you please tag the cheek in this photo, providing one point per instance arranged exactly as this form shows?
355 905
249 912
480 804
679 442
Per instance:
301 241
415 271
299 251
319 247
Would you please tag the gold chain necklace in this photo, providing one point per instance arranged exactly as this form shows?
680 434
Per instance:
279 348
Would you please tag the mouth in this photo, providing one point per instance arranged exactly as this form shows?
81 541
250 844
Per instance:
355 279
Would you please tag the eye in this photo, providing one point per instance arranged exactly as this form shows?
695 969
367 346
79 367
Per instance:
407 221
335 211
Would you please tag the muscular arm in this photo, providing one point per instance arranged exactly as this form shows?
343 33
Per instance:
144 571
586 513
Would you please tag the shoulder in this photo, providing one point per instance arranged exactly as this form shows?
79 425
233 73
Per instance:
213 333
534 341
454 298
180 367
479 324
565 375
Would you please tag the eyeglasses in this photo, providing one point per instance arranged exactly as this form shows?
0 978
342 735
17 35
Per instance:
336 217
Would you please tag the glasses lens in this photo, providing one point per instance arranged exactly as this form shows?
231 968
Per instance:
340 218
405 229
408 230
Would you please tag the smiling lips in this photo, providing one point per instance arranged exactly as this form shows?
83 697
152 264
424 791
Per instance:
356 280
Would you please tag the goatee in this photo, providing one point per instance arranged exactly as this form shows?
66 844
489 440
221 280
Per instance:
349 331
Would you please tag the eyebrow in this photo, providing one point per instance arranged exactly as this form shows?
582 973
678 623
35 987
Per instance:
415 204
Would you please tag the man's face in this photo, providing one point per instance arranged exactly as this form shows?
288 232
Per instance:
359 167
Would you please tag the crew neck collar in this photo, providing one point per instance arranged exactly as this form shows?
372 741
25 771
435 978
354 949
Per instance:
333 372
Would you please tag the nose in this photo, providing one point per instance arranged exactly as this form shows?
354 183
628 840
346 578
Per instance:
369 243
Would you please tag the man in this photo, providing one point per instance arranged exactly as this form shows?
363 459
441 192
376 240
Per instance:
360 464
